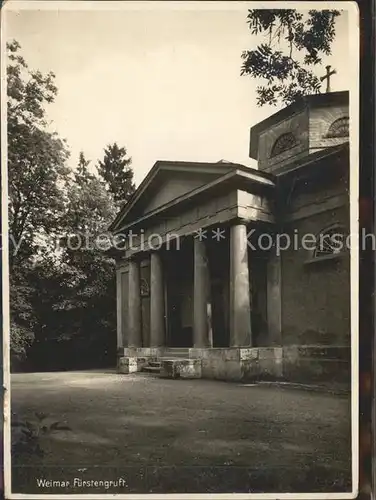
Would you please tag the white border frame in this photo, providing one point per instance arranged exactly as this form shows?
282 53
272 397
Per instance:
353 57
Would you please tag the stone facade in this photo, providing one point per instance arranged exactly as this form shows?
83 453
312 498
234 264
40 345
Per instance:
191 281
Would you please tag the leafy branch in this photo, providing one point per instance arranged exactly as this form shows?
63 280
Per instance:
293 45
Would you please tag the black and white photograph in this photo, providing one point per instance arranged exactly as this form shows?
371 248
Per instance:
180 232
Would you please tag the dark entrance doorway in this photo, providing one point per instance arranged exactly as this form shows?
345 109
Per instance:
258 265
220 321
219 262
179 295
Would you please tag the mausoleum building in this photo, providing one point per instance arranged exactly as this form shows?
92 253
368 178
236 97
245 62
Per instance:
236 273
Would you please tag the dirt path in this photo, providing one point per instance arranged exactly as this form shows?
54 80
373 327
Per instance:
182 436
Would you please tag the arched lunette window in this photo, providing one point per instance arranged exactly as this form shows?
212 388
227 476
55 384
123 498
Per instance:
283 143
339 128
330 242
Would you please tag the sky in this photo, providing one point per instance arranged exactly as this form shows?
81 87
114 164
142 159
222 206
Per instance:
163 81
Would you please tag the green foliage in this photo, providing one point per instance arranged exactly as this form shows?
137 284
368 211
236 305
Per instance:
293 45
115 170
36 157
22 314
62 298
90 206
36 172
28 91
75 297
88 297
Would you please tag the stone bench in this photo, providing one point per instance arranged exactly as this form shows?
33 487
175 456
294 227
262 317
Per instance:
180 368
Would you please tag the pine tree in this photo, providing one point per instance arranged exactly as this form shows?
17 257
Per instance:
83 163
115 170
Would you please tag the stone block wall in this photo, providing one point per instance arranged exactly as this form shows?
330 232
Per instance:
320 119
315 295
317 364
240 364
219 363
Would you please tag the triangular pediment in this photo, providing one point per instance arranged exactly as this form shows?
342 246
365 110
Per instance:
168 181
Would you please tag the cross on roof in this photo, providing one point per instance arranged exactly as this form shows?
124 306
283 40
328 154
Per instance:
329 73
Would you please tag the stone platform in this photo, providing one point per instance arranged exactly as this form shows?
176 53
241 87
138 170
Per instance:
303 364
181 368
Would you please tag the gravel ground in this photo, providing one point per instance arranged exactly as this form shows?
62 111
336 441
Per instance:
184 436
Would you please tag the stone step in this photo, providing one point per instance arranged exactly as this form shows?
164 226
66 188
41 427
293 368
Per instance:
182 357
176 353
154 364
177 349
151 369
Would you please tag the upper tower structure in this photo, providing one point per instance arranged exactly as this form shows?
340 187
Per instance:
281 141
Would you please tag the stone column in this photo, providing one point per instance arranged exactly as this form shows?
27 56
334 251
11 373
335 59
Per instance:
274 306
134 305
119 315
240 308
201 297
157 303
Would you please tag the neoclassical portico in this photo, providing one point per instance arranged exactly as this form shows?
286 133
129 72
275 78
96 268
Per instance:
190 217
240 330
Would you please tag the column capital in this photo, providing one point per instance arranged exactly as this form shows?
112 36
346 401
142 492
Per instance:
153 251
134 258
240 221
121 264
